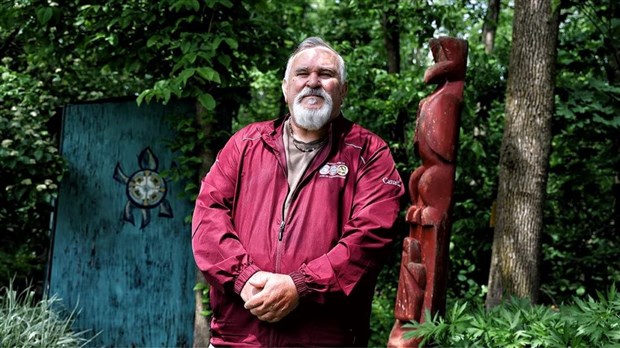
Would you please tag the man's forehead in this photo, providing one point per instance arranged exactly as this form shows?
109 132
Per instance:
323 56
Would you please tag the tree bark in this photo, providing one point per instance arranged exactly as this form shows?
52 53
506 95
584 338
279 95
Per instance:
491 21
524 153
612 49
202 333
612 46
391 38
391 31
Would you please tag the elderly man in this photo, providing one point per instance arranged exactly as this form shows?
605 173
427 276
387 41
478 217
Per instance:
293 220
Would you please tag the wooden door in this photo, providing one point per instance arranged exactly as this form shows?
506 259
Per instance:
121 250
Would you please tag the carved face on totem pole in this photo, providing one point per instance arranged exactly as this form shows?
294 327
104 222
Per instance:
450 61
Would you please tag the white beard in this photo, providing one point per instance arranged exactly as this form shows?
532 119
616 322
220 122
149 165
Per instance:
312 119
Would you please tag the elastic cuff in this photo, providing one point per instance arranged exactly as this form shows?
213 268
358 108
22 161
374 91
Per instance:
300 283
243 277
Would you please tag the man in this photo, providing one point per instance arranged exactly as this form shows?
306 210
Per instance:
293 220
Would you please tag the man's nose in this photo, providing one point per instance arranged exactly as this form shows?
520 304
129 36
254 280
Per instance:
313 80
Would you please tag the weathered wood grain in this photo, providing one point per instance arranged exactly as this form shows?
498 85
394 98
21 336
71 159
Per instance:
132 284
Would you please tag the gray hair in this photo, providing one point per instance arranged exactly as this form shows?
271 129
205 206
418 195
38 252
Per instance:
313 42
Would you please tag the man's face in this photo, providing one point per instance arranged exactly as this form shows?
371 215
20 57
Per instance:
313 90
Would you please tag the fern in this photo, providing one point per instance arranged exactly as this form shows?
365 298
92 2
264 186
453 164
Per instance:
517 323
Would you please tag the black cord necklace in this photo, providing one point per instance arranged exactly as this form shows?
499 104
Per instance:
306 147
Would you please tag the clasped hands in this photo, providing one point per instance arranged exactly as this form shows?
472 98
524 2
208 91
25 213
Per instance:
270 296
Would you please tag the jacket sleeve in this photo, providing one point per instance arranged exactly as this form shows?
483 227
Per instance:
216 246
366 236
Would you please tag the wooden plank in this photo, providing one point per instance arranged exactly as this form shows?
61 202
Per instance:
132 284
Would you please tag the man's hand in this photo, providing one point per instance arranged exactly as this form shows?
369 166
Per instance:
277 298
254 285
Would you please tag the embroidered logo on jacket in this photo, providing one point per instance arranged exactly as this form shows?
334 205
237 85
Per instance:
334 170
391 182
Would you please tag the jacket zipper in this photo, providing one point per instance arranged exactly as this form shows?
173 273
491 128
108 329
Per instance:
301 183
280 237
283 223
281 229
281 232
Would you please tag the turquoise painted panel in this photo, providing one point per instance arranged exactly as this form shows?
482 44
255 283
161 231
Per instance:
121 250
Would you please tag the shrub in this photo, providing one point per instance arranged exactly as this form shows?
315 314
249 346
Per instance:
517 323
26 322
31 169
382 316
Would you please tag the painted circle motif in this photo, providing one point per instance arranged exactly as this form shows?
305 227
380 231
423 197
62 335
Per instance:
146 188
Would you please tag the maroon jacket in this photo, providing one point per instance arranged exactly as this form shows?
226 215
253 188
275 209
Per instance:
332 242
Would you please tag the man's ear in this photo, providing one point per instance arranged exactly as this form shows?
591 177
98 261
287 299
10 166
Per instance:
284 85
345 90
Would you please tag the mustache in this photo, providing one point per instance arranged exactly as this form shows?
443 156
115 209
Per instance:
316 92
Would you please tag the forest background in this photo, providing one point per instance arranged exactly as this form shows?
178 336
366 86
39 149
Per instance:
222 53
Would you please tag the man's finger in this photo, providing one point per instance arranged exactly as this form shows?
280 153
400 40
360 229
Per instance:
254 302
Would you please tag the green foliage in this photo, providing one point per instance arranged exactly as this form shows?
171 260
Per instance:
210 50
85 51
476 173
203 288
27 322
266 100
518 323
382 314
581 241
31 169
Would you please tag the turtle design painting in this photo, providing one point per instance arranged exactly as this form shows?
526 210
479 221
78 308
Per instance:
146 189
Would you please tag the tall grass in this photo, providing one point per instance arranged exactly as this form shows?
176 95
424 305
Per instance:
27 322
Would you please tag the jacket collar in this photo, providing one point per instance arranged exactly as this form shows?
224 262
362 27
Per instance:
271 134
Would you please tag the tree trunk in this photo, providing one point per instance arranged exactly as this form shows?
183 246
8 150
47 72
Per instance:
202 331
524 153
613 75
391 36
391 31
612 46
491 21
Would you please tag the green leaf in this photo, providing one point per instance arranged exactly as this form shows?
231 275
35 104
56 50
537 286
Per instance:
153 40
212 3
614 122
177 5
44 15
224 59
200 286
142 95
186 74
207 101
209 74
194 5
232 43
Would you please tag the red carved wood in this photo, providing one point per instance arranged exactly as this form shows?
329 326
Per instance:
424 267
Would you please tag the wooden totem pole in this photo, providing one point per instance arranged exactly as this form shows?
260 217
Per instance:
424 268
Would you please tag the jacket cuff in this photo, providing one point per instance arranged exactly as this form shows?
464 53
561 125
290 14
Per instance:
244 276
300 283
